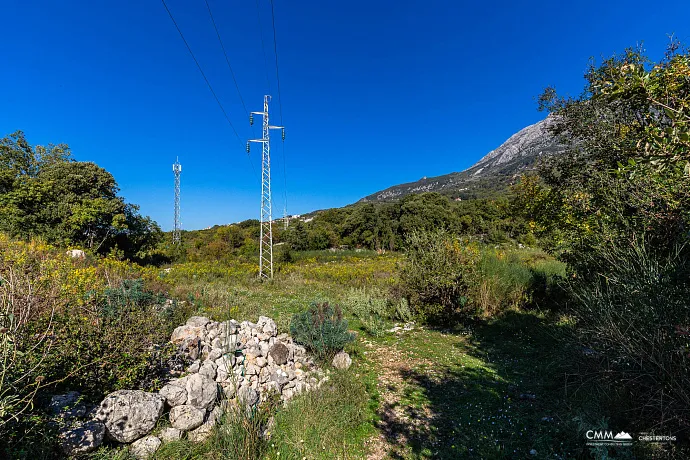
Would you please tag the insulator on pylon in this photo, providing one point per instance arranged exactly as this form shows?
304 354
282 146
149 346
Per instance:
247 146
251 119
283 133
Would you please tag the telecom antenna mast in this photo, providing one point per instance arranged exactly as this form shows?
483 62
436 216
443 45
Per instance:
266 234
177 169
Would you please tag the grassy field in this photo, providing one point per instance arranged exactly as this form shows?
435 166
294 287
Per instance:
498 386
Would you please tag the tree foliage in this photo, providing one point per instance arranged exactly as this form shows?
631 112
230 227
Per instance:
45 193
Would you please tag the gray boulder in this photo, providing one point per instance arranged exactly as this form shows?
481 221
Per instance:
342 360
201 391
130 414
82 440
186 418
144 448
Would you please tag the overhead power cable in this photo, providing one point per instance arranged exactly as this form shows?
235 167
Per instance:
280 99
208 83
227 60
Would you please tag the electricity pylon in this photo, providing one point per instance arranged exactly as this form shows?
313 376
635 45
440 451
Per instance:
266 234
177 169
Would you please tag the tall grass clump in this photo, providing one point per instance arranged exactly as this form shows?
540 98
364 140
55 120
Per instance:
369 307
632 308
331 421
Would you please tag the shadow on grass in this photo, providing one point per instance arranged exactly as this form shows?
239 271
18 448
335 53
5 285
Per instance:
501 398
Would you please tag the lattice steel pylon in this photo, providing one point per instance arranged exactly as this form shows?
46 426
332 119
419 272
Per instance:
266 234
177 170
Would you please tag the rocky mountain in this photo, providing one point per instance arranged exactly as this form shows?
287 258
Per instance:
493 172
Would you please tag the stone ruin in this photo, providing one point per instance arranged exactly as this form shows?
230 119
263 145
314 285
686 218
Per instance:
231 363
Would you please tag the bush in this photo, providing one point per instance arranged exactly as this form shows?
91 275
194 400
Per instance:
436 275
322 330
633 309
370 309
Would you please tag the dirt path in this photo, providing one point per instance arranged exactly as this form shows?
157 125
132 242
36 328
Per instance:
398 420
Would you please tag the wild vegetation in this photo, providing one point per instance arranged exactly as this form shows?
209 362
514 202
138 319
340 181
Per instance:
504 327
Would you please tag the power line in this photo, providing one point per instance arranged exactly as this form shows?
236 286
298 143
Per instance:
226 57
209 83
280 103
202 72
263 47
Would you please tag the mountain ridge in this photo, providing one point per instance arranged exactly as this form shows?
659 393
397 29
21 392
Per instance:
494 171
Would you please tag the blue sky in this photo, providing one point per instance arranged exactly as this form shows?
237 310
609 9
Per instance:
374 93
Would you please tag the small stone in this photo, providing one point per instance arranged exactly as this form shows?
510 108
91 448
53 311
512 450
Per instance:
170 434
208 369
194 368
248 396
279 353
261 361
186 418
215 354
175 395
144 448
533 452
84 439
67 405
342 360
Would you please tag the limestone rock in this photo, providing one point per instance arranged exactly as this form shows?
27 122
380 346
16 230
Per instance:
175 393
248 396
187 333
67 405
186 418
208 369
204 431
144 448
279 353
84 439
170 434
201 391
342 360
198 321
130 414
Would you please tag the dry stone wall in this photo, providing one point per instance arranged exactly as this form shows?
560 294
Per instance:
232 362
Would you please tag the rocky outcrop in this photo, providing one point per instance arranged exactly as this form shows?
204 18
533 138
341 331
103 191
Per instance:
519 153
130 414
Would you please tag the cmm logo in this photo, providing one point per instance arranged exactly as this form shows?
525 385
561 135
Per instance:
599 435
606 438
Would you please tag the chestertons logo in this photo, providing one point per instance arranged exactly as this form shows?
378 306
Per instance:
607 438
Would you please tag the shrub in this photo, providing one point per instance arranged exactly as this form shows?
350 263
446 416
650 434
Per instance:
370 309
436 275
321 329
633 309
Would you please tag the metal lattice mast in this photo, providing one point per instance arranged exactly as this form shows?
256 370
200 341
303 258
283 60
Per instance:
177 169
266 234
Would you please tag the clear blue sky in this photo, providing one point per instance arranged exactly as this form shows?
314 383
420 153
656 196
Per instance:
374 93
